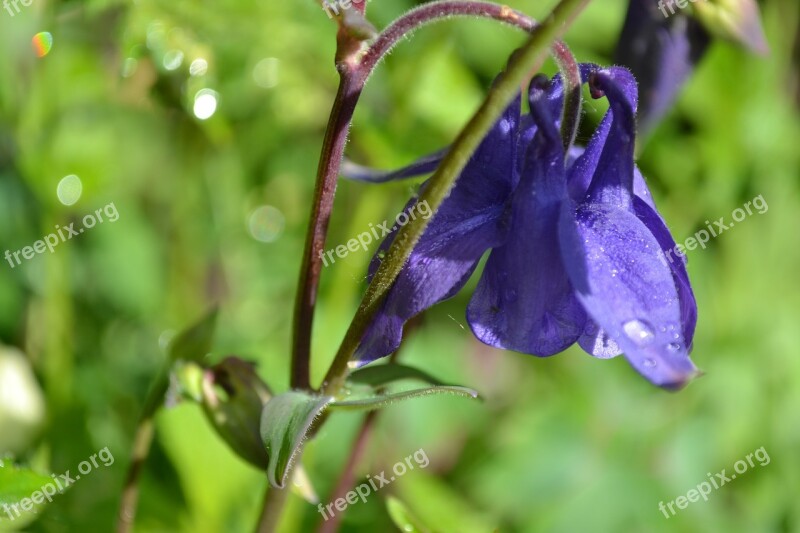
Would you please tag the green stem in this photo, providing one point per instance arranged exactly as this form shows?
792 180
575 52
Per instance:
354 72
530 57
271 512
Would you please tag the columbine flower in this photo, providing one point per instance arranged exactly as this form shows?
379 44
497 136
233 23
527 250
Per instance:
576 244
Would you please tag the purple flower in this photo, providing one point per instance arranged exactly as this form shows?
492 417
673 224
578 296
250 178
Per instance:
661 45
576 244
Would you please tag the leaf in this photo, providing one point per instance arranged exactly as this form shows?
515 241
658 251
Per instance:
379 375
384 400
18 485
285 423
233 397
402 517
191 345
195 342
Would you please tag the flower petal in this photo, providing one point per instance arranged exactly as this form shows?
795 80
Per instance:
659 229
613 261
612 183
424 165
524 300
470 221
662 53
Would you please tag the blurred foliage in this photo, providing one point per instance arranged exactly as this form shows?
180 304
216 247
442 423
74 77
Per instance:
214 211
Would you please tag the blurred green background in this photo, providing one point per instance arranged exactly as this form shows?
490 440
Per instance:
215 210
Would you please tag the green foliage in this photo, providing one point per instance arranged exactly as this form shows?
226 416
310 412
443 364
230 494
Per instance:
18 485
285 423
380 375
380 401
216 210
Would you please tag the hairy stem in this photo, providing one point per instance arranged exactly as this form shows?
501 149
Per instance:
271 511
354 74
330 160
530 57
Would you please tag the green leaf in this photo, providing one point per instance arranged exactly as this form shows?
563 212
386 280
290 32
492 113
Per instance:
18 485
380 375
285 423
190 345
402 517
384 400
233 397
195 342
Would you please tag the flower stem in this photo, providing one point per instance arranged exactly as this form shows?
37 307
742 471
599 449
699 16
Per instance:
530 57
130 494
271 511
354 73
327 175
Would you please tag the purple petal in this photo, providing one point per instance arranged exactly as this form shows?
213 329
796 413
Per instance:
524 300
581 171
662 53
659 229
595 340
640 188
470 221
423 165
614 263
613 178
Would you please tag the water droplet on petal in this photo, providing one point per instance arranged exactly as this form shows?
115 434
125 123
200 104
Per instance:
673 347
649 363
639 331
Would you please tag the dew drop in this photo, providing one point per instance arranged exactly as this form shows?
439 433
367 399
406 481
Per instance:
649 363
639 331
673 347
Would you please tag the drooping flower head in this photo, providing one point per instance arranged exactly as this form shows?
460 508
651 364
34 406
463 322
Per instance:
575 243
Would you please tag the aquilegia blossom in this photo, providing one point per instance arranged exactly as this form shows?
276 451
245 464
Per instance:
576 244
